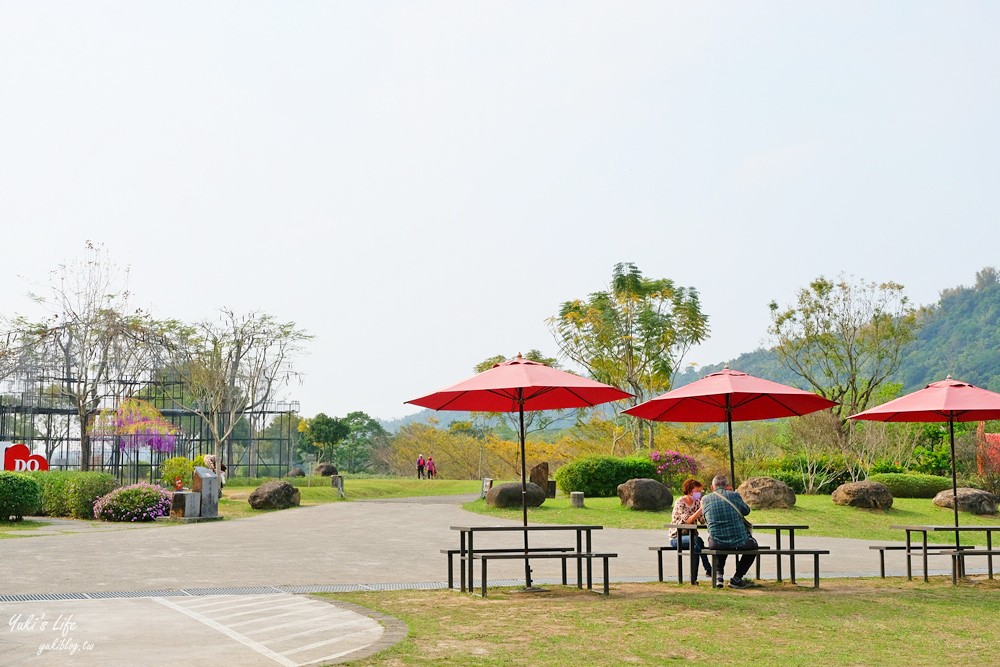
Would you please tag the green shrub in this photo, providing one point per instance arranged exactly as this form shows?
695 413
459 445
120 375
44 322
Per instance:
83 489
175 467
55 499
138 502
19 495
912 485
599 476
885 466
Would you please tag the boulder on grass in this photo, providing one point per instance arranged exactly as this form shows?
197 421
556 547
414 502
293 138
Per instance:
867 495
764 493
296 472
645 494
326 470
274 495
976 501
509 495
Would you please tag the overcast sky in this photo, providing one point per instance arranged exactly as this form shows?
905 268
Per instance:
421 184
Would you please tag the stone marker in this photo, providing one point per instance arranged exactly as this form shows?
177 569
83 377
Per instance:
576 499
550 489
337 482
539 475
487 485
206 483
185 505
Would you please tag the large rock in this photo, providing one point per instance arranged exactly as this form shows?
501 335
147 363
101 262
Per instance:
326 469
274 495
976 501
869 495
509 495
645 494
764 493
296 472
539 475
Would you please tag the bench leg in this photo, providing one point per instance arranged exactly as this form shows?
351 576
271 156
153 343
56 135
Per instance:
758 568
606 592
563 570
954 569
909 565
791 558
715 569
451 571
680 560
881 563
815 570
659 565
926 575
484 579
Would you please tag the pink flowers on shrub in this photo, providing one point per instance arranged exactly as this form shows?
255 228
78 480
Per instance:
138 502
672 465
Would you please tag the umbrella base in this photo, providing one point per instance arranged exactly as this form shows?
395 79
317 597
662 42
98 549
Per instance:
531 589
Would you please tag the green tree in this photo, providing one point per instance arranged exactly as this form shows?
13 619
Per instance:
633 335
322 435
846 339
354 451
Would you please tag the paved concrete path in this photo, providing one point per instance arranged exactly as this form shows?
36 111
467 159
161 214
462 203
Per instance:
150 587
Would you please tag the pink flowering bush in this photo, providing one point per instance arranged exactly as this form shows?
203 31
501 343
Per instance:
673 466
138 502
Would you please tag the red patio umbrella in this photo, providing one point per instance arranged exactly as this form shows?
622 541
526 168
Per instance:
728 396
944 401
521 385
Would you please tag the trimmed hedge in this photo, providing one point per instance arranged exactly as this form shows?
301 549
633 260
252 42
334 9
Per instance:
599 476
19 495
71 492
912 485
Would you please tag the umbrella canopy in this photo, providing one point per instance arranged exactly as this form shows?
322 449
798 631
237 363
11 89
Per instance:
521 385
944 401
728 396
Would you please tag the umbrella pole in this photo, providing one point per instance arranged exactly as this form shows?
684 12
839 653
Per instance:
524 494
954 477
729 430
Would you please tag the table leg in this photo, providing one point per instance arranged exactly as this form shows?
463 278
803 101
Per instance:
989 547
791 558
926 576
469 554
579 563
909 567
590 564
680 556
954 569
563 570
461 563
484 575
777 537
606 592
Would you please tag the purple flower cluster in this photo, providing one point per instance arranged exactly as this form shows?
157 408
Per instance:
670 463
137 502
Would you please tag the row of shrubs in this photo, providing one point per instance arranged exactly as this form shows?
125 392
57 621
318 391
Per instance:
81 495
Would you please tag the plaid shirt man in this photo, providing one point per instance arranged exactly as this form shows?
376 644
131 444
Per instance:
725 524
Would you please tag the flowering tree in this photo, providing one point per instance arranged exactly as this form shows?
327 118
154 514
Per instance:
135 424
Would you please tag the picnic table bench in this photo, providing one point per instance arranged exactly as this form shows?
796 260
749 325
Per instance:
926 550
484 558
791 553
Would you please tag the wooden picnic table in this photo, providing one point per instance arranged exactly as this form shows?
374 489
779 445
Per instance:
923 547
467 547
778 529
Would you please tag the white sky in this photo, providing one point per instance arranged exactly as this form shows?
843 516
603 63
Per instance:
421 184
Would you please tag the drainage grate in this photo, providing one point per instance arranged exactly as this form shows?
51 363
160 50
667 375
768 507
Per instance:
111 595
41 597
252 590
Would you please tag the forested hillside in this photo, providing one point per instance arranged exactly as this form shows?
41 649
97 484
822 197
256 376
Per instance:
958 336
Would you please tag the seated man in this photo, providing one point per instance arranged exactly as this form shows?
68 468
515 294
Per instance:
723 510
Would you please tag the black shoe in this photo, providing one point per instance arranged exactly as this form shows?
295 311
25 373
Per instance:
719 580
708 574
739 583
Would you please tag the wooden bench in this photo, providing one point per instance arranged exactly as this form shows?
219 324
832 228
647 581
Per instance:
680 561
959 555
932 550
484 558
815 553
453 552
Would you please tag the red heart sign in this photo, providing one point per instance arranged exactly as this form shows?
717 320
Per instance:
20 459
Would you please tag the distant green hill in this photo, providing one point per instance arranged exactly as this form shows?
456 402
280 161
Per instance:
959 336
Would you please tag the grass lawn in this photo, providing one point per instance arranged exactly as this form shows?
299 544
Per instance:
317 491
10 529
856 622
818 512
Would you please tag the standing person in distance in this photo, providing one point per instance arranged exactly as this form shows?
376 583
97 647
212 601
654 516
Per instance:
432 470
724 510
421 464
